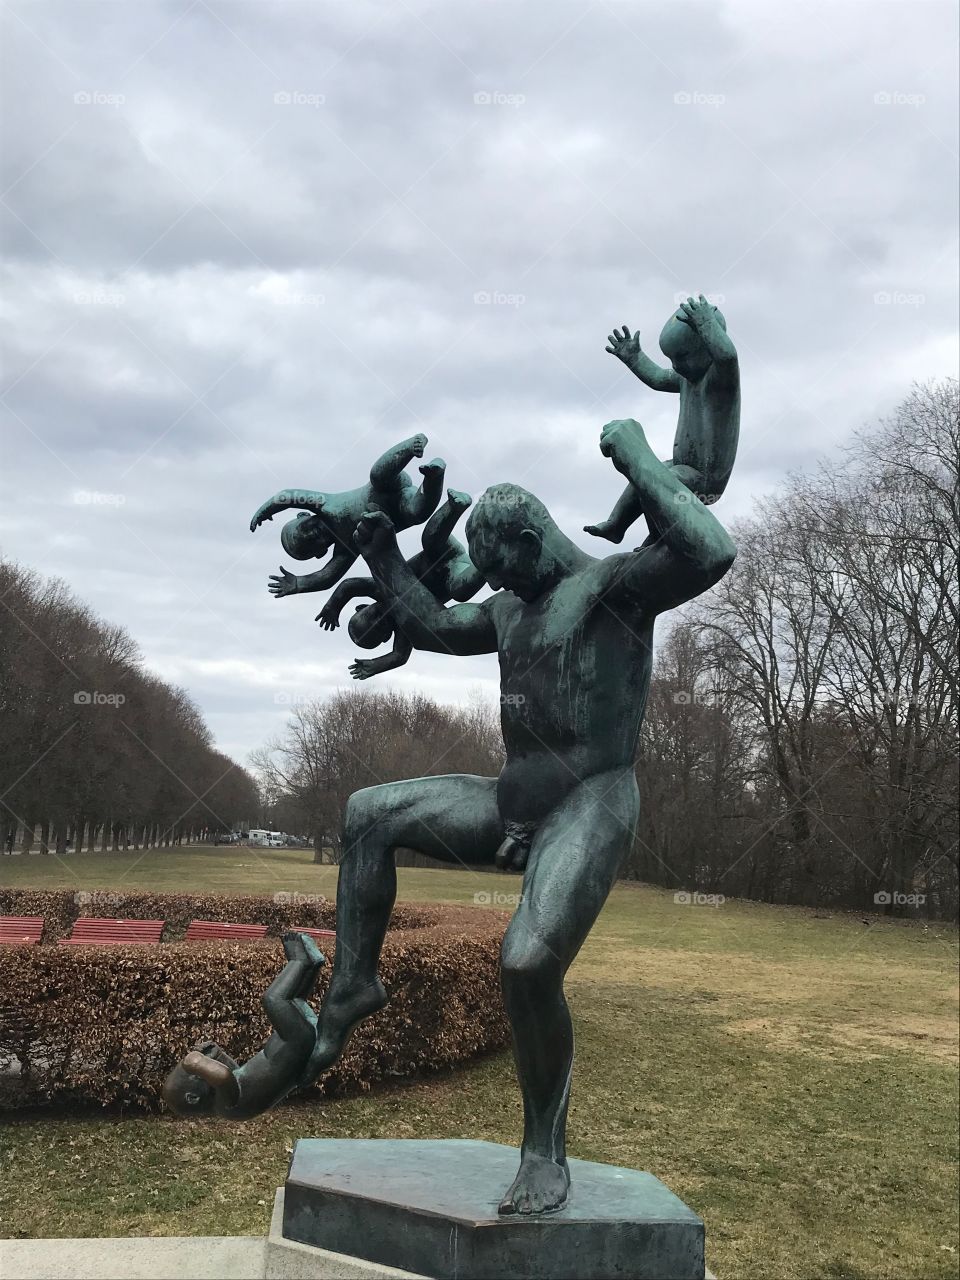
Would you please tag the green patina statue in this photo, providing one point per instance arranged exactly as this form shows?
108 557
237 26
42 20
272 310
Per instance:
574 637
706 372
209 1082
328 520
444 568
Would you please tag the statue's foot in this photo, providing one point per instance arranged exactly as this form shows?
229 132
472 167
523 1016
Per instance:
605 529
339 1014
436 467
540 1186
457 498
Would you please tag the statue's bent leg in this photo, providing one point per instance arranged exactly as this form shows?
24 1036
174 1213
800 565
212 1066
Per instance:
574 860
454 818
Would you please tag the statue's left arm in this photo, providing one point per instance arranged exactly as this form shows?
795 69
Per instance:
693 551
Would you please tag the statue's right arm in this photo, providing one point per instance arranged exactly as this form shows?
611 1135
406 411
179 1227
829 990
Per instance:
460 629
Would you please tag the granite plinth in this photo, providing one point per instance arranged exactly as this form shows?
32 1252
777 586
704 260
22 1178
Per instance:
430 1207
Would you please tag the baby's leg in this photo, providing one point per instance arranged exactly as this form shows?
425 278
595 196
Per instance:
629 507
417 504
442 523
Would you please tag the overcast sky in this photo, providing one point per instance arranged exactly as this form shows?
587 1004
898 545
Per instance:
250 245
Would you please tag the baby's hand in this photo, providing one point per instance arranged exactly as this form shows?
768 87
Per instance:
623 346
363 668
328 618
697 313
283 584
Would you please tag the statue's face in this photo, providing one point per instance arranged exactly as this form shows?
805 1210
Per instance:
682 346
508 562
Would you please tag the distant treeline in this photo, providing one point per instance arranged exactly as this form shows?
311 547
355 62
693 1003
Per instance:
800 742
94 751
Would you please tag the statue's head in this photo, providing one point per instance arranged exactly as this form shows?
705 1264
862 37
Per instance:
369 627
305 537
684 348
512 539
191 1087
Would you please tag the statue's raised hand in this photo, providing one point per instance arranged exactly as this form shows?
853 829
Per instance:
623 346
374 534
697 313
283 584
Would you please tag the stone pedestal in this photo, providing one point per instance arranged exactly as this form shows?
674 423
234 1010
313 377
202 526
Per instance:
430 1208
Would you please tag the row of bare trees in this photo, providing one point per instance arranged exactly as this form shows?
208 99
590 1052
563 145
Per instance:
96 752
361 737
801 742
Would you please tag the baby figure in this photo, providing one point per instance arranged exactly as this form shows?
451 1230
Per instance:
209 1082
329 519
706 372
444 568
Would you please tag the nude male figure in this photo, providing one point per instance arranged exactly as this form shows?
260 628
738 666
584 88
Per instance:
574 635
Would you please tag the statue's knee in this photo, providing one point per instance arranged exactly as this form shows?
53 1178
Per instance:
526 962
362 814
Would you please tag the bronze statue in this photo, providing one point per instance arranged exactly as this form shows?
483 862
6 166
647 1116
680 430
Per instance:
444 568
706 372
209 1082
574 637
329 519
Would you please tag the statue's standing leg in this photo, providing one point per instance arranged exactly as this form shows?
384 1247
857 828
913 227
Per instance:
454 818
574 860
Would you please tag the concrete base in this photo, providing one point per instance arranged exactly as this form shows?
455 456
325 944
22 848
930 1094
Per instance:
431 1208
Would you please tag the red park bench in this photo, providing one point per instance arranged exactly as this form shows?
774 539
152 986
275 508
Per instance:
218 930
326 937
115 933
20 929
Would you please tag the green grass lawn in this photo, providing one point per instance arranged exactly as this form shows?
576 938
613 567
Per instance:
791 1075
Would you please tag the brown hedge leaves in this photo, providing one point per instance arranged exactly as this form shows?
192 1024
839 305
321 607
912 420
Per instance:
105 1024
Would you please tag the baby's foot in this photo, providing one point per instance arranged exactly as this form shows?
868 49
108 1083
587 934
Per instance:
457 498
435 467
605 529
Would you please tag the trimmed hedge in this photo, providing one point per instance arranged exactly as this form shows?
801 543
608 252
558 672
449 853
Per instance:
105 1024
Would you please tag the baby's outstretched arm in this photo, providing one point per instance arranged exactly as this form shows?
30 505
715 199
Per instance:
287 500
291 584
444 520
701 316
349 589
364 668
627 348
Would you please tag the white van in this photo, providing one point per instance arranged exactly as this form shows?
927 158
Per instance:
266 839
